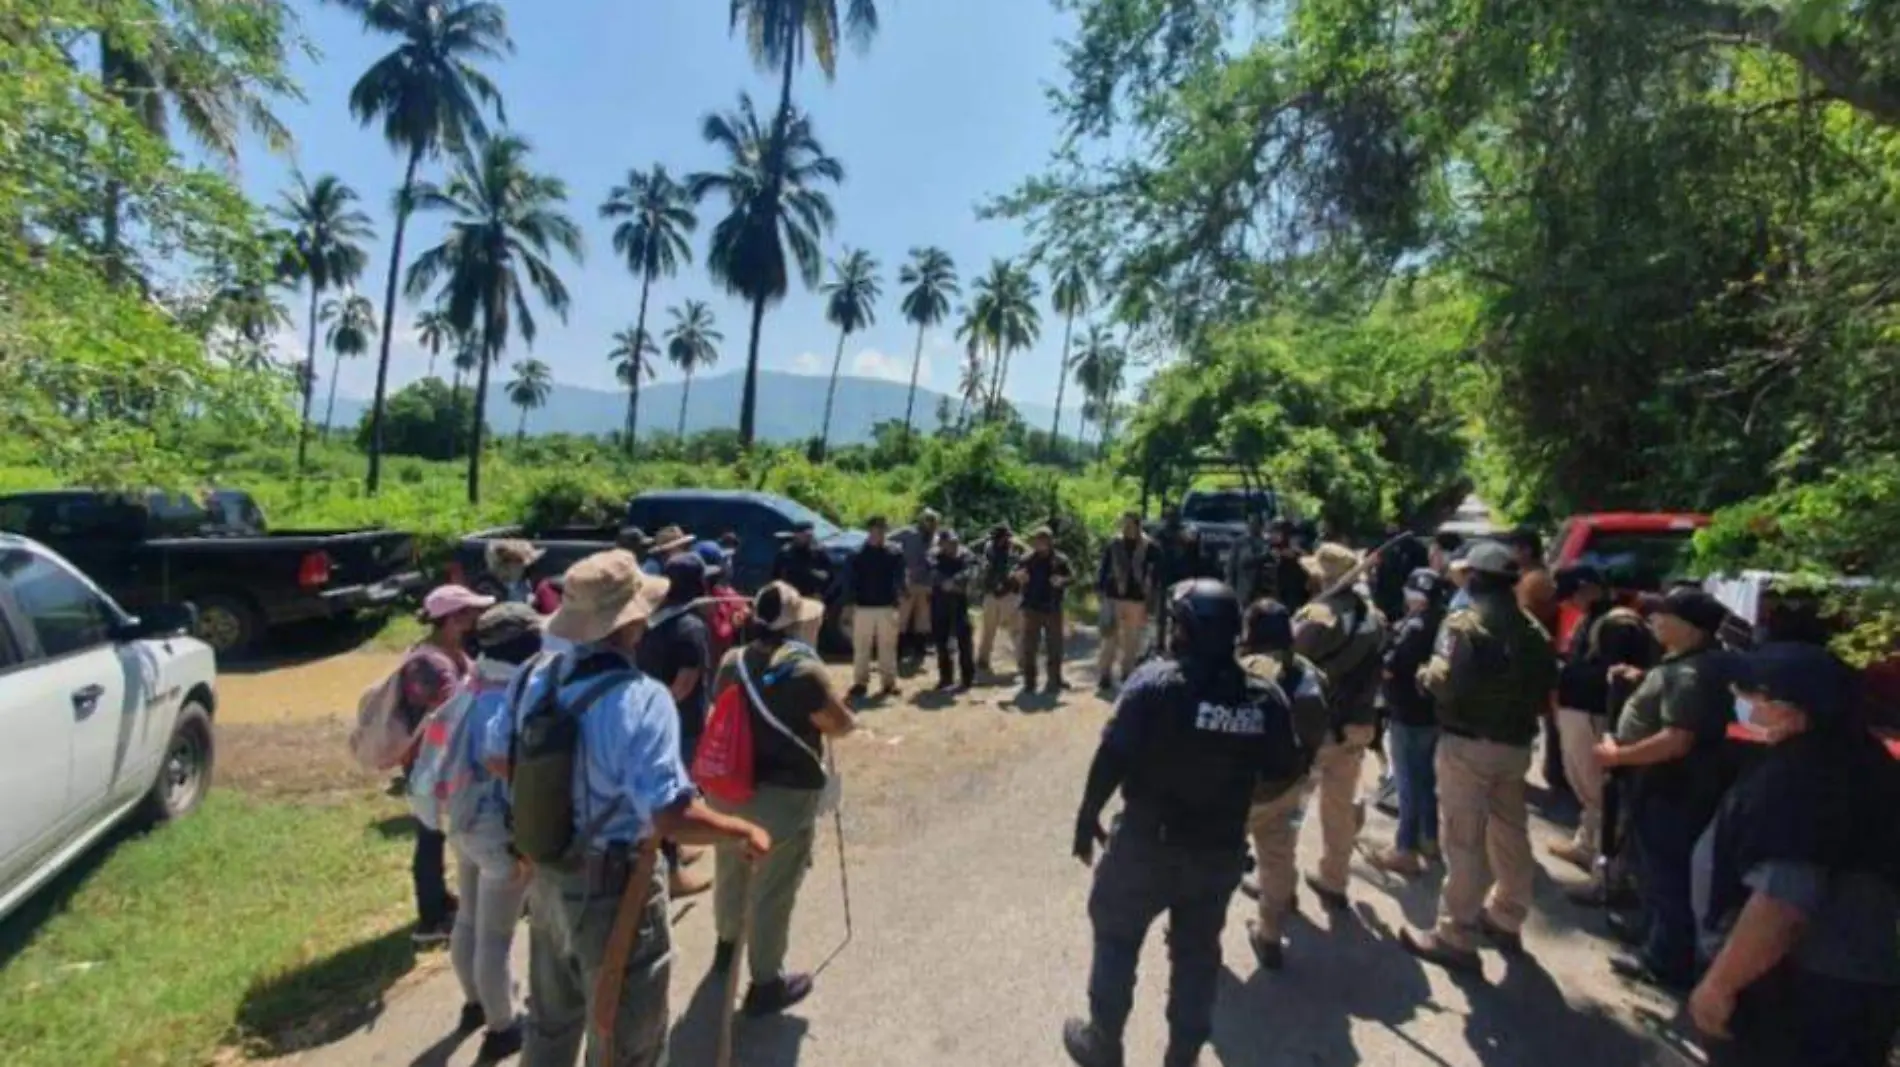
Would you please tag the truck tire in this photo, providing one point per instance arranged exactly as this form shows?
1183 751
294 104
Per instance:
184 772
229 624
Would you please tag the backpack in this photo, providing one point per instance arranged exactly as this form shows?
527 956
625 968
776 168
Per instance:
440 773
723 764
543 755
381 739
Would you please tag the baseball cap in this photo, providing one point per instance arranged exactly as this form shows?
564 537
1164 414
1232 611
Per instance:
1269 625
1694 606
446 600
504 623
713 555
1800 675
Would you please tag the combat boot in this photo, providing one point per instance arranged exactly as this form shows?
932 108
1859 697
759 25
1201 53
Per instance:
1089 1045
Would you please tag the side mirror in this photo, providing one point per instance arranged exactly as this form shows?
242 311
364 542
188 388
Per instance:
161 620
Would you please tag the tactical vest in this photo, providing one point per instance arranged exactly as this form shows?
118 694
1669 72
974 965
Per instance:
1500 688
1349 656
1305 689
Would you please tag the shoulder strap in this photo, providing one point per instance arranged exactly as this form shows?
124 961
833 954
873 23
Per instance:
745 678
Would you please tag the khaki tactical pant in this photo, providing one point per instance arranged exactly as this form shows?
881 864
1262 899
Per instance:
1131 631
569 924
1336 768
873 628
999 612
913 617
770 889
1275 827
1578 732
1484 833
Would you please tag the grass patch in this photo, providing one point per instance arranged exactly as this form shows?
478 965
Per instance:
249 923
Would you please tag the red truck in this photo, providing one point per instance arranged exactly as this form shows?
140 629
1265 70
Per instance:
1630 548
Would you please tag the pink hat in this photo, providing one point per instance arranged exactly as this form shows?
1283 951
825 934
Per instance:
446 600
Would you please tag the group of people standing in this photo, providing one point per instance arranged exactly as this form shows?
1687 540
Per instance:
568 741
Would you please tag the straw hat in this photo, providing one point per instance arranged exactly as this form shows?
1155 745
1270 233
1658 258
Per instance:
670 538
512 552
603 593
779 607
1330 563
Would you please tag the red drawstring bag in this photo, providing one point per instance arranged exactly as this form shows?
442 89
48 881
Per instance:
723 763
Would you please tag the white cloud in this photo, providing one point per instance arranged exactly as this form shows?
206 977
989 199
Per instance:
807 363
870 363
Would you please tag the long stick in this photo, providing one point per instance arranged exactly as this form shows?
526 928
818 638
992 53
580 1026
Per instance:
1365 564
844 877
726 1009
620 945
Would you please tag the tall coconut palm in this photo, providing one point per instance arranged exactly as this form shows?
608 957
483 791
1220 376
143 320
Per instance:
1005 312
352 322
930 279
433 332
974 375
468 356
768 214
506 222
160 71
692 343
655 216
1100 365
851 305
1070 297
533 382
325 251
427 94
634 355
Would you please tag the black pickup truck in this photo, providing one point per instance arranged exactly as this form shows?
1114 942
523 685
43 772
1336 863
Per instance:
215 552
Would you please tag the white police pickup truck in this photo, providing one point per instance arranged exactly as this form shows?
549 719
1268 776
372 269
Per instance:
103 716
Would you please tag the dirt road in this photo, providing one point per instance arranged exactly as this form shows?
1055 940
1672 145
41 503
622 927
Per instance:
971 940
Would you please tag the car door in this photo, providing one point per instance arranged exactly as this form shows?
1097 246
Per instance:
36 782
82 674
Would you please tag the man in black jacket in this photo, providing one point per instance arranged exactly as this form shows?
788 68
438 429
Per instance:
874 587
805 567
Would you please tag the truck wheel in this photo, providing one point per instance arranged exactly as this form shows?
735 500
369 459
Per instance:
228 624
184 773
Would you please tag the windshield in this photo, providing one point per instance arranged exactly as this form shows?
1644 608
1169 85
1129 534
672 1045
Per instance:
820 526
1229 507
1646 560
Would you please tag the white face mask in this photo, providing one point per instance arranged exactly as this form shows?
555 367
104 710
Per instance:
1416 603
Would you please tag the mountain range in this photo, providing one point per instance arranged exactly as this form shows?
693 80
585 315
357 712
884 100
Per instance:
791 408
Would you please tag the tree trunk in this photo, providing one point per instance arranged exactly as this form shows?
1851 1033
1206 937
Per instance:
831 394
639 361
1062 383
910 402
455 405
685 395
521 429
329 408
489 353
375 479
749 398
432 355
309 380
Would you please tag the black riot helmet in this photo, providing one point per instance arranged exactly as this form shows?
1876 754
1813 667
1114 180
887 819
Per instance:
1206 620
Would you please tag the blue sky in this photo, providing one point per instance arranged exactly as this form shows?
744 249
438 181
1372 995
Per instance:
946 108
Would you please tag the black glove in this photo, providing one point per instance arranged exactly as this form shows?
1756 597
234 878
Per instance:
1088 834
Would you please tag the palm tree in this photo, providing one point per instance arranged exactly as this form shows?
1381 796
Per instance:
352 324
769 212
428 94
433 330
974 375
851 305
1070 298
931 276
1006 317
468 355
506 222
655 217
1099 367
326 228
533 381
633 355
163 72
692 343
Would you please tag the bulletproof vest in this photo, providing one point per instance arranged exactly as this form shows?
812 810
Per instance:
1305 689
1349 655
1208 740
1500 688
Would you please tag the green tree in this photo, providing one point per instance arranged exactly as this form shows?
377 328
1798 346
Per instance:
506 223
973 374
352 322
768 214
1100 365
425 419
1070 297
326 231
851 305
468 356
692 343
655 217
1004 315
930 281
633 356
433 331
427 93
533 382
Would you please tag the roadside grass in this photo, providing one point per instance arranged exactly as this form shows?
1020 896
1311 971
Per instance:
254 923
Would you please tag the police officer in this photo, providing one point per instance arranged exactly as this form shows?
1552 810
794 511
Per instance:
1343 634
1491 675
1191 737
804 566
1274 823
